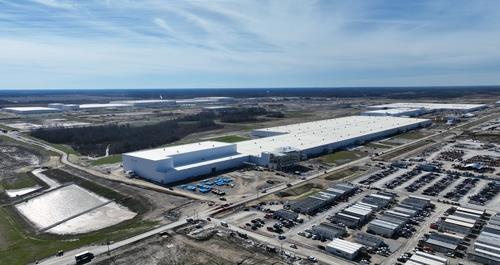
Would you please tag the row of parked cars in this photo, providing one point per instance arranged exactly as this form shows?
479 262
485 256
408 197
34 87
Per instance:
402 179
439 186
421 181
486 194
461 189
378 176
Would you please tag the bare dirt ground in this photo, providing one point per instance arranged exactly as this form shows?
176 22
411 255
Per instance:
178 249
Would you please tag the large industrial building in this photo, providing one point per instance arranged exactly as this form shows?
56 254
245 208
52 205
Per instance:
279 147
430 107
31 110
399 112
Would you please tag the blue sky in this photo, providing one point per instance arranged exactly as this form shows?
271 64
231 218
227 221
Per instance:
254 43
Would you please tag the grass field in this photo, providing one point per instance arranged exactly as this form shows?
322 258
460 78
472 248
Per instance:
340 174
341 157
230 139
61 147
112 159
301 190
18 247
22 180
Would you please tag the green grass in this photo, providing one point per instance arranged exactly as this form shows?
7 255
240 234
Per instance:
341 157
66 149
230 139
112 159
340 174
22 180
61 147
17 246
308 193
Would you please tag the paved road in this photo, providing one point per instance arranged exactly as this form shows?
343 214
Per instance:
69 256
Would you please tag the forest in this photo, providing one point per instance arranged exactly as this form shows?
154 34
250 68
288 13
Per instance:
94 140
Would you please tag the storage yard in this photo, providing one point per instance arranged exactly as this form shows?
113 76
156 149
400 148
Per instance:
357 184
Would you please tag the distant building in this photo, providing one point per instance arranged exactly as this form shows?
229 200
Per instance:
31 110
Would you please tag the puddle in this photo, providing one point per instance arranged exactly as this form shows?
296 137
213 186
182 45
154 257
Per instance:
107 215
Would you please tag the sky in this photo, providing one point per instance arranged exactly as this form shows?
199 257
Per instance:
248 43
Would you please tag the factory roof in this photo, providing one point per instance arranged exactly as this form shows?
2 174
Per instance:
429 106
104 105
165 152
208 162
29 109
345 246
141 101
303 136
395 111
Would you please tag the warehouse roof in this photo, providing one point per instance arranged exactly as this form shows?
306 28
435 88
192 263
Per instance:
104 105
441 243
29 109
348 216
462 219
303 136
420 256
404 210
494 248
429 106
459 223
384 224
468 210
421 260
165 152
345 246
489 254
396 111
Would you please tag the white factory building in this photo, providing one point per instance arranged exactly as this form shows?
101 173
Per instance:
431 107
64 107
31 110
400 112
147 103
278 147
